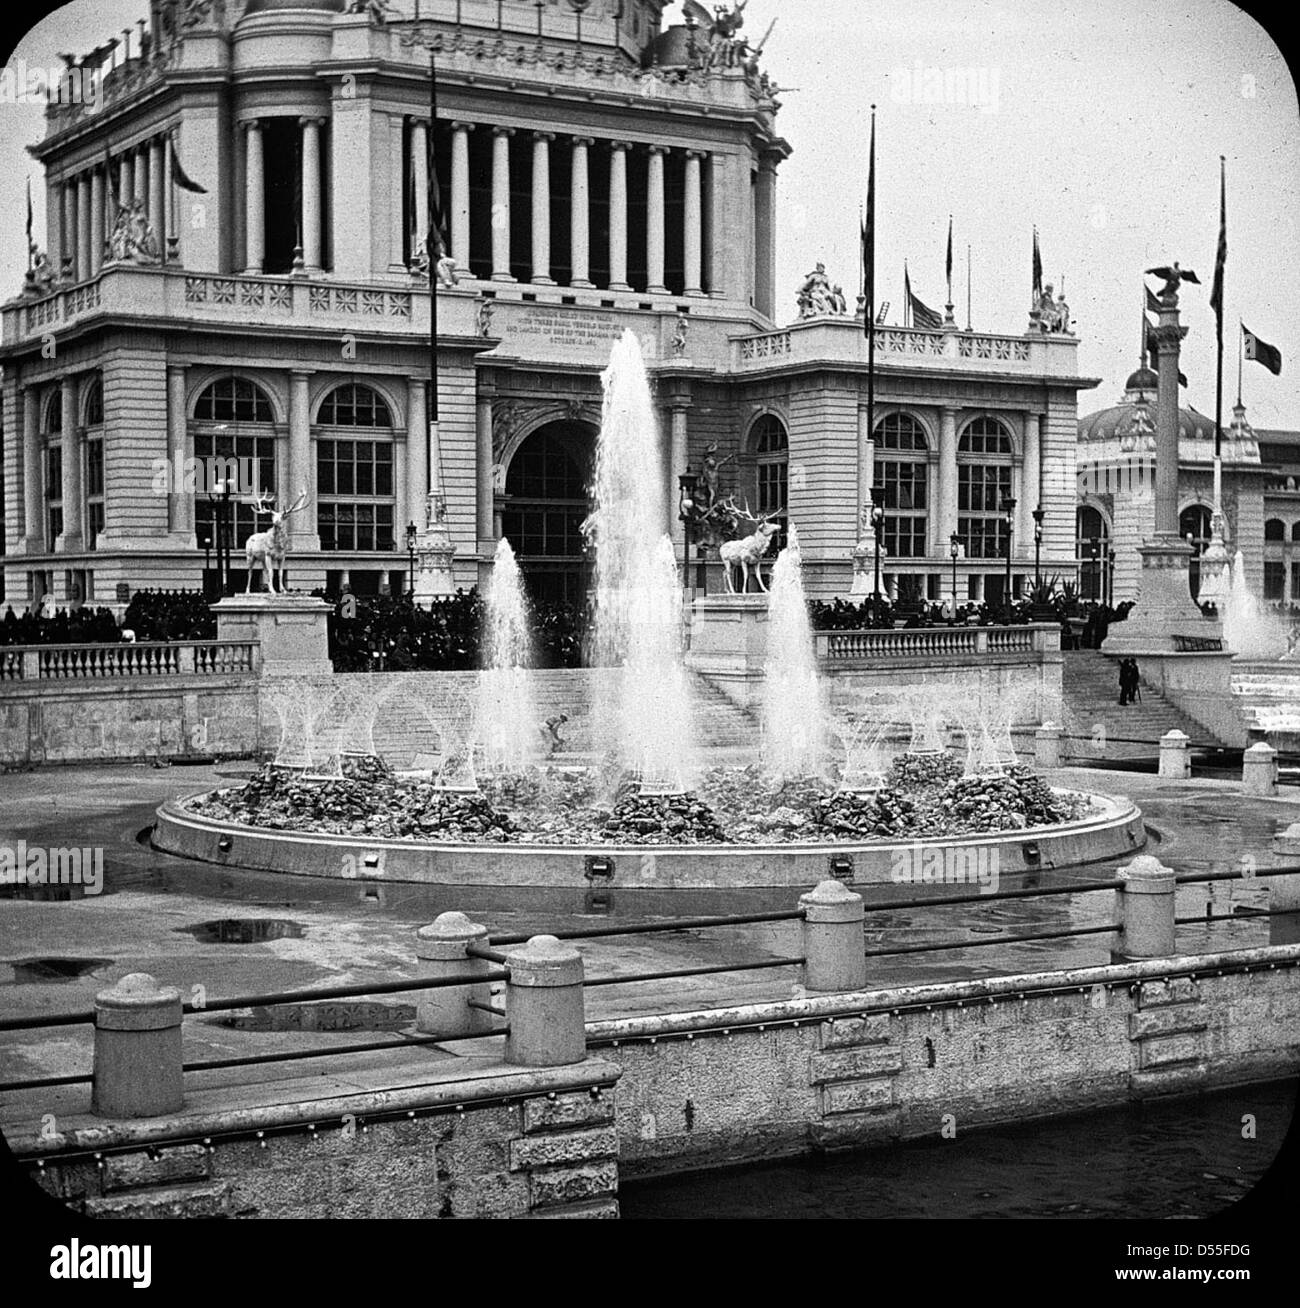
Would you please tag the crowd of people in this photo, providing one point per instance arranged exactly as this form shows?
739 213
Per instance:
386 634
151 615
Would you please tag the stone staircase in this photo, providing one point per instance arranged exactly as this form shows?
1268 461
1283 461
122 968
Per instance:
1109 730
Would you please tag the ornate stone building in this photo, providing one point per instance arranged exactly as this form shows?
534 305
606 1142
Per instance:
598 171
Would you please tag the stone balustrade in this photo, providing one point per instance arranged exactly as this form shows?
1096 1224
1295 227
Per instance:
934 642
99 662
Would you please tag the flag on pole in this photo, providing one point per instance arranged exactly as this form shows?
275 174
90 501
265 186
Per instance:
31 245
922 314
1216 292
1151 352
1038 271
950 256
1153 304
437 245
179 176
869 239
1261 351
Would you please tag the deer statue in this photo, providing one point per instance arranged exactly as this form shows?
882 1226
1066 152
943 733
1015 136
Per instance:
747 553
268 548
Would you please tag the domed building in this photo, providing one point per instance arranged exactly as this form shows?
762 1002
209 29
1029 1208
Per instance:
234 266
1116 472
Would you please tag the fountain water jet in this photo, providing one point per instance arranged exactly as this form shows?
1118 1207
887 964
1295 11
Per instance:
794 711
507 714
642 718
1249 630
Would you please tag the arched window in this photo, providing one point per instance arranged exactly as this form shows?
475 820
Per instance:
984 459
52 413
1274 530
233 399
771 448
1194 526
1091 552
93 413
354 477
233 435
52 431
901 484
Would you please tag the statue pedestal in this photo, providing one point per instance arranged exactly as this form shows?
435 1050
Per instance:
291 630
433 554
729 644
1165 617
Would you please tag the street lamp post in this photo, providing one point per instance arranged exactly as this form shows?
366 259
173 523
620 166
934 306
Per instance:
1008 515
1110 576
412 531
1038 547
687 483
221 531
878 527
1094 553
954 549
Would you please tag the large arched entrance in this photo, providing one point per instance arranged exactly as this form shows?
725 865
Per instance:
543 507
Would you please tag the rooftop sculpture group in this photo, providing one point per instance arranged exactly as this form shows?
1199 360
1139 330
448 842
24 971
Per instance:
816 297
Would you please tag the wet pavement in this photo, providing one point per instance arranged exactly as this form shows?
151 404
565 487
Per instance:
220 932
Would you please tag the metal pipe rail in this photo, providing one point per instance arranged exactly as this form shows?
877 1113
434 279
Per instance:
692 971
648 928
994 940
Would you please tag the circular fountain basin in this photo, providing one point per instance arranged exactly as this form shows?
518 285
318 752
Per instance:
1113 830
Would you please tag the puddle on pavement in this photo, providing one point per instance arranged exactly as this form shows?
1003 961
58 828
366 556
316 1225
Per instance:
243 930
44 971
45 893
348 1016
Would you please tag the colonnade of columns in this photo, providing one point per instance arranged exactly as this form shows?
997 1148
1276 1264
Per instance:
311 217
81 211
545 145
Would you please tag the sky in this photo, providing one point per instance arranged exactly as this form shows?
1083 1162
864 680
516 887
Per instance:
1099 121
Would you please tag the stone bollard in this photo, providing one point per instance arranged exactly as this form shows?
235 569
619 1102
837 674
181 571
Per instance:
1174 761
1145 901
1259 770
138 1056
1047 746
834 953
544 1004
1284 892
440 947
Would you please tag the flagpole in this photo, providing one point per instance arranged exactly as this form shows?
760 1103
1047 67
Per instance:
1218 336
862 551
968 318
1241 354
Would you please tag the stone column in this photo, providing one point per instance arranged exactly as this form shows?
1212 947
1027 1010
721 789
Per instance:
311 193
677 455
866 467
946 497
694 224
33 473
169 203
580 217
254 198
1030 489
420 182
141 191
70 540
125 179
69 201
501 204
654 237
618 216
180 503
301 474
484 467
764 237
83 226
542 208
157 218
1168 337
460 193
97 220
54 242
417 451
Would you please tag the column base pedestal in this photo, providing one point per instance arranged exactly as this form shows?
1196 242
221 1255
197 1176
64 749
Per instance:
729 644
1166 617
291 630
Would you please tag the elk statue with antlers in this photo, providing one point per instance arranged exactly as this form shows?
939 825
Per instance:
268 549
746 553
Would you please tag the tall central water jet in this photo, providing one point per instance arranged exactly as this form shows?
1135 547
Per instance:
794 714
1249 629
507 718
642 709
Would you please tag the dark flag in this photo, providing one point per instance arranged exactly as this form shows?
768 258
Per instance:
1038 271
1151 352
179 176
437 243
1216 292
922 314
31 245
950 256
1261 351
1153 303
869 239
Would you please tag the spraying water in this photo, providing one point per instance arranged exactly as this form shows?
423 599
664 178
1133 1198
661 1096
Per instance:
1249 629
794 713
642 715
507 715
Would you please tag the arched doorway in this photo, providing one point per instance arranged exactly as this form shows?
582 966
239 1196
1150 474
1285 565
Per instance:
543 506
